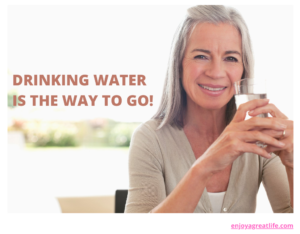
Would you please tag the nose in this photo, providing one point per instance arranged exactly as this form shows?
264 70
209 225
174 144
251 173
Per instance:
215 70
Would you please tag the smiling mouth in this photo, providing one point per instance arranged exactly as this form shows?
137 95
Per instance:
212 89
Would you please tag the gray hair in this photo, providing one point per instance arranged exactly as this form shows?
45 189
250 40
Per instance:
173 100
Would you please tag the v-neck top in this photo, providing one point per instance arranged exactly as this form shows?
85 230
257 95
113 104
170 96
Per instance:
159 159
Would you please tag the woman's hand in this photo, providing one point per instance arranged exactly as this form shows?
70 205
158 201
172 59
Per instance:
286 136
238 137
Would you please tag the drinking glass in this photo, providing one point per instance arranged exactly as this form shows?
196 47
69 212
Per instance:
248 89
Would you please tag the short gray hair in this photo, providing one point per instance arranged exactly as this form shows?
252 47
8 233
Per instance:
173 100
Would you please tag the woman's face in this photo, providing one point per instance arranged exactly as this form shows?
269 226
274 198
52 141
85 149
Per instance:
212 62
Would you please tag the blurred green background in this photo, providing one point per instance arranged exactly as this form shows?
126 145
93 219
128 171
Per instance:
97 132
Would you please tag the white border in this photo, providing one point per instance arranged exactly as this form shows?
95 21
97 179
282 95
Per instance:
139 223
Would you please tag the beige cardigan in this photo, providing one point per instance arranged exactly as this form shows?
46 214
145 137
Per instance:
158 160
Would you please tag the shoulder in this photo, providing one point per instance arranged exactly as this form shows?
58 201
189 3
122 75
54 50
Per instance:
149 129
147 135
145 131
149 126
148 139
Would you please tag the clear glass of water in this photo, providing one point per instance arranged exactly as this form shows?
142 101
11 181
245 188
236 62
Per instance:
248 89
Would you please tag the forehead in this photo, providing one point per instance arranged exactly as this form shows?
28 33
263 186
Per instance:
210 36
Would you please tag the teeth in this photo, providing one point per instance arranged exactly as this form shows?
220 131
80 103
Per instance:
212 89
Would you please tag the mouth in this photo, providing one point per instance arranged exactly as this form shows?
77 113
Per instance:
212 90
216 88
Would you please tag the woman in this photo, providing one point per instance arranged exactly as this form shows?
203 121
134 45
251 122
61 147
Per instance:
197 153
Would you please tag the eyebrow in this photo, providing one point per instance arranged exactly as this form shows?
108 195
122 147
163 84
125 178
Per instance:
208 52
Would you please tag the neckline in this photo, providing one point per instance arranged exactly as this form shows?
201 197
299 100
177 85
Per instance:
204 200
217 193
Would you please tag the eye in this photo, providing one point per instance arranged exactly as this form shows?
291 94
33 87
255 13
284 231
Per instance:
200 57
231 59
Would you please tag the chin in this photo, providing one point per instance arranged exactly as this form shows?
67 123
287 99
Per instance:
212 106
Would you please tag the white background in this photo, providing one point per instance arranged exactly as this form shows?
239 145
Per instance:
57 44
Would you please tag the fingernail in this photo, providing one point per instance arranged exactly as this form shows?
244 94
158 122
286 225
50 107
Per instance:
251 112
281 143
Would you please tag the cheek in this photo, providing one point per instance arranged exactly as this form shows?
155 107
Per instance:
236 74
191 71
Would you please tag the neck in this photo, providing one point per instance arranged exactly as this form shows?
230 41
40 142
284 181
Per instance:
208 123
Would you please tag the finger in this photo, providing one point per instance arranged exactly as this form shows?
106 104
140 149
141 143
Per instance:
257 123
254 136
253 148
270 108
275 133
288 146
288 123
245 107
